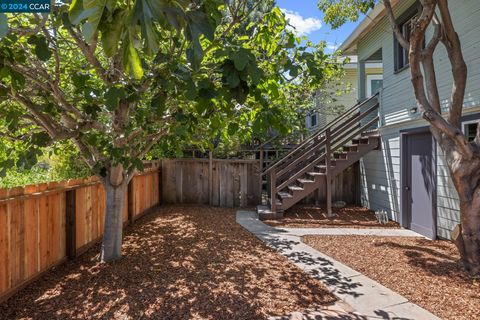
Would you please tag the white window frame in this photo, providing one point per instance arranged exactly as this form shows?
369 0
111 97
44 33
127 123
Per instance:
371 77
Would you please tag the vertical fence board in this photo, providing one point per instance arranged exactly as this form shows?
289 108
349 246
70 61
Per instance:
31 219
4 245
80 211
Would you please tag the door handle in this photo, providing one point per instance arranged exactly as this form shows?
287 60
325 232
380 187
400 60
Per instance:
407 188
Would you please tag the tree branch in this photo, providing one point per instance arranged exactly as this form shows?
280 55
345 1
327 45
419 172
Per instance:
419 28
393 22
451 41
90 56
429 68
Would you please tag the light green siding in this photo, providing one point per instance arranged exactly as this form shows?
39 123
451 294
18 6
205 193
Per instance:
381 169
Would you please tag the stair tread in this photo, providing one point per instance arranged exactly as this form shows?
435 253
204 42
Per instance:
305 181
283 194
315 173
296 188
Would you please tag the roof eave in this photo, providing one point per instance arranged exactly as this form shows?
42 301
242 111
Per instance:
349 46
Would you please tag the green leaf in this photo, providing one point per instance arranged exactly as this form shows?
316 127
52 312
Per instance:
198 23
111 33
41 47
144 12
18 80
131 60
232 79
240 58
77 13
233 128
95 11
3 25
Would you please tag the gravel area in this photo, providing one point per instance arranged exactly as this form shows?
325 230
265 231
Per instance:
308 216
183 262
425 272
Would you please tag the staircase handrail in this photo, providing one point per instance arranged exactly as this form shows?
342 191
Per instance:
337 133
319 133
312 164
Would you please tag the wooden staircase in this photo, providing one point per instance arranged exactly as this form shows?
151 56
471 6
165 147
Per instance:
319 158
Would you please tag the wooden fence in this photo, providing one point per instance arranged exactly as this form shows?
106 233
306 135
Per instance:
236 183
43 225
218 182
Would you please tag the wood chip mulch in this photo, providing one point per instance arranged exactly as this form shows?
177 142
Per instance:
425 272
183 262
309 216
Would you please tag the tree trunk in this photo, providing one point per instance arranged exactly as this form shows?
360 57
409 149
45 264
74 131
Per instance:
466 178
112 234
470 218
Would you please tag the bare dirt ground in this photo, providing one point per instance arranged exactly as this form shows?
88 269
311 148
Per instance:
309 216
425 272
183 262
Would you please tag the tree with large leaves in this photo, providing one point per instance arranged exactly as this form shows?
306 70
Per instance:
462 156
116 78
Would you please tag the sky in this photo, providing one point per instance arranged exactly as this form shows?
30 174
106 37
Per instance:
308 21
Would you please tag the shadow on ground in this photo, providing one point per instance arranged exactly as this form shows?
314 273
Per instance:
179 263
320 268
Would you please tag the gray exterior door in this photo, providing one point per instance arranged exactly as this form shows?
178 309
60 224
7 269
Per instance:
419 184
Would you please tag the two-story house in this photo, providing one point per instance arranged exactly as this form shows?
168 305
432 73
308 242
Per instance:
408 176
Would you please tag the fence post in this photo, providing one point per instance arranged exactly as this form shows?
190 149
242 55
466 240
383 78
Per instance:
71 245
273 190
130 196
328 174
160 182
210 177
261 173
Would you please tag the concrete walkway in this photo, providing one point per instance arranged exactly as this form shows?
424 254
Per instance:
370 299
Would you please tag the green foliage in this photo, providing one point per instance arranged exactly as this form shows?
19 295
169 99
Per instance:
55 163
338 12
116 78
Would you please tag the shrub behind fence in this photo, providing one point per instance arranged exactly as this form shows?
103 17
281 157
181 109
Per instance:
43 225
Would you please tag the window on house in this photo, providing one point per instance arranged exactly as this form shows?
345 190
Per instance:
313 120
470 129
405 26
374 83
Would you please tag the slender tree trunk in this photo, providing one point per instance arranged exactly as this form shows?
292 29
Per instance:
112 234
